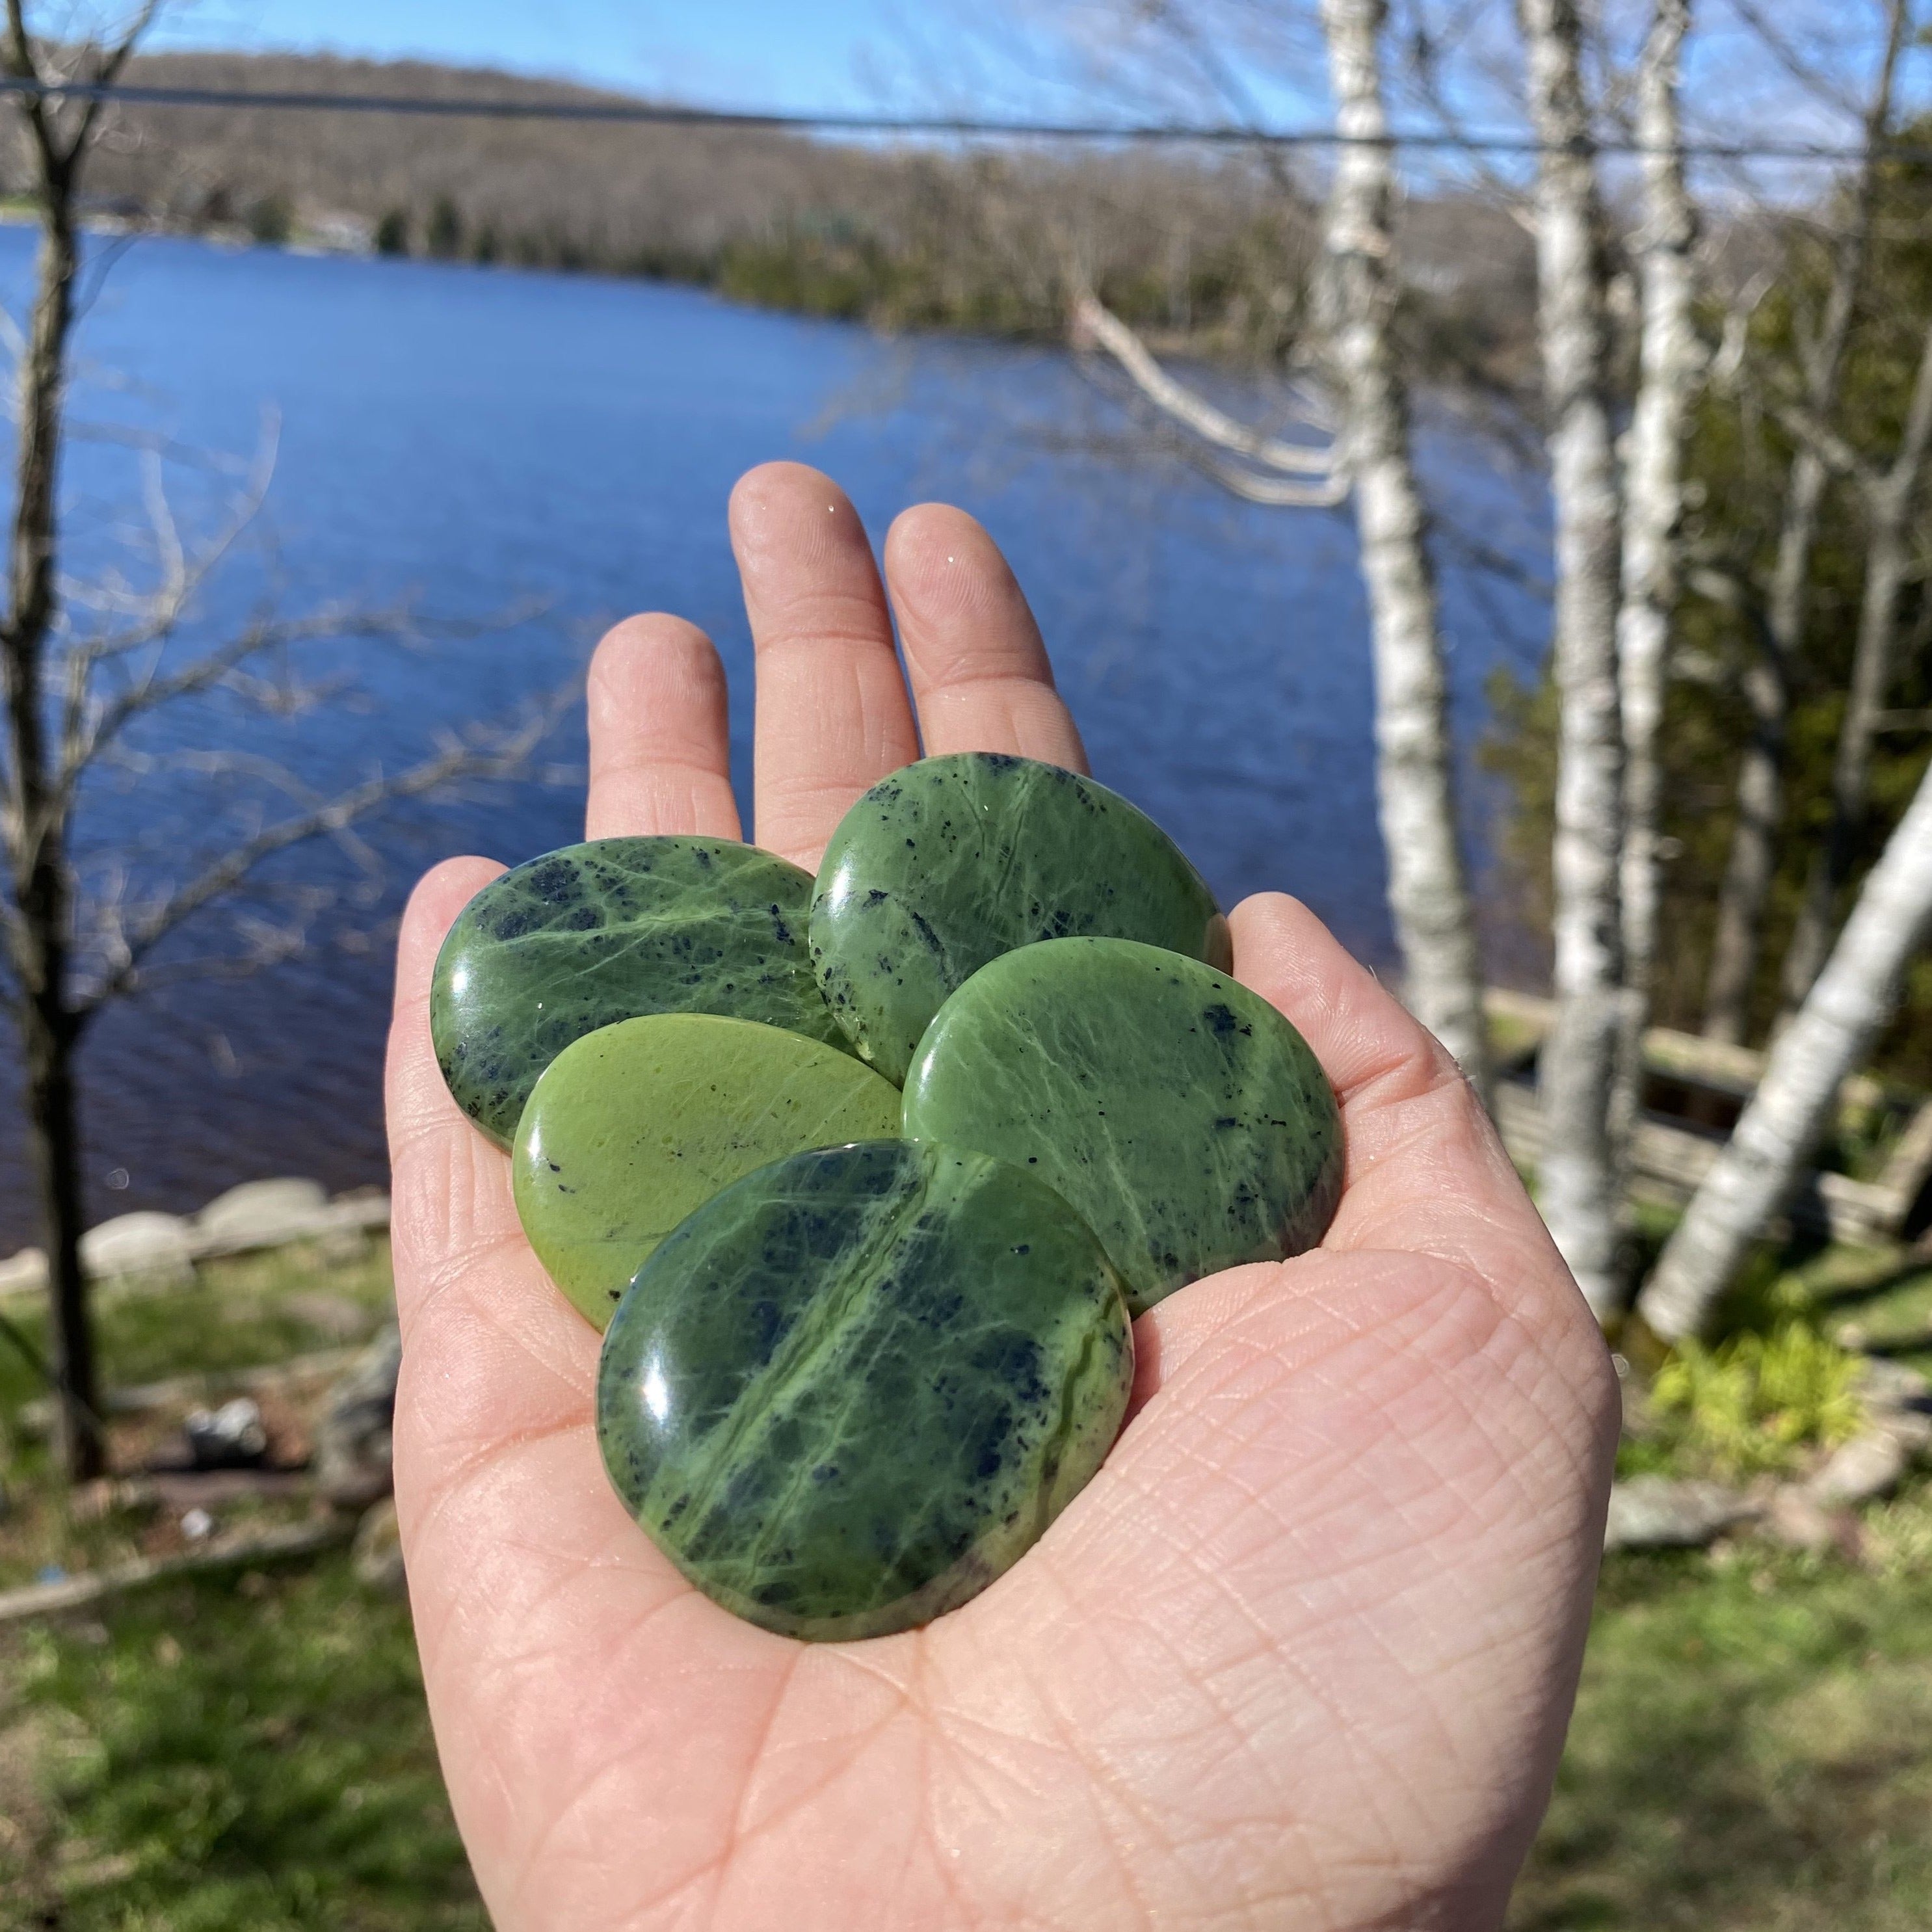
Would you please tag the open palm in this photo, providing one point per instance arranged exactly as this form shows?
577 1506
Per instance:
1300 1655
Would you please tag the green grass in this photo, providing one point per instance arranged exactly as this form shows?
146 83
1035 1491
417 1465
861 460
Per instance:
235 1315
1752 1747
248 1752
1752 1750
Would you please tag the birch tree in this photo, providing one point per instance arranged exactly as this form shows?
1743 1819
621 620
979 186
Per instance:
1428 882
1849 1002
1580 1195
1752 860
1670 357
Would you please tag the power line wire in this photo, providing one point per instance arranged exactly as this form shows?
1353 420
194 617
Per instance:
652 114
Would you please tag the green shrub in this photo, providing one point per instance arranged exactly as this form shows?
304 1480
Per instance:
1754 1402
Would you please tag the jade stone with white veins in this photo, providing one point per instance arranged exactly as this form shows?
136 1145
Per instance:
593 934
1178 1113
953 861
852 1389
634 1125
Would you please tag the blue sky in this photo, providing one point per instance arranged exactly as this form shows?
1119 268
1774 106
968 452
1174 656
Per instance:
782 53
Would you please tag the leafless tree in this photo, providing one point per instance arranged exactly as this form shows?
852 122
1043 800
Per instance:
73 687
1841 1015
1428 889
1580 1197
1752 861
1890 493
1669 358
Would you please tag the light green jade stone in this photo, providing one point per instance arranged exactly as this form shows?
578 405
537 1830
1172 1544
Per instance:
633 1127
1182 1117
954 860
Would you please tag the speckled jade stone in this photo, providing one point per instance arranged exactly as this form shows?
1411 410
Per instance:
594 934
853 1388
632 1126
1178 1113
952 861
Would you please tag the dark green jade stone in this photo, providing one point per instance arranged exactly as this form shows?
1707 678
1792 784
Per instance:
634 1125
953 861
591 934
855 1387
1178 1113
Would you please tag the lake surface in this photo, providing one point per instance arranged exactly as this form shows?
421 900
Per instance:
486 446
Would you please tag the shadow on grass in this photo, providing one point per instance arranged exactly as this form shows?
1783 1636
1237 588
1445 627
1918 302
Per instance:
247 1753
1752 1748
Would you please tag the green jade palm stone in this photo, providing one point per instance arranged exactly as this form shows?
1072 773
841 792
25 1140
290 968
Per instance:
854 1388
632 1126
953 861
593 934
1178 1113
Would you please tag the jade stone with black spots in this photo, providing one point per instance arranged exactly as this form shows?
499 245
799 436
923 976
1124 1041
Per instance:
853 1388
953 861
1178 1113
597 933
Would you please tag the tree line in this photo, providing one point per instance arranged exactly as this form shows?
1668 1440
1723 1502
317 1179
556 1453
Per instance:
1198 249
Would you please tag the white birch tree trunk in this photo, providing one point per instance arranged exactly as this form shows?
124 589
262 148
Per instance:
1653 513
1580 1195
1428 882
1844 1010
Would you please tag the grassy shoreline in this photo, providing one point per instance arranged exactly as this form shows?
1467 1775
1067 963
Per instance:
1751 1751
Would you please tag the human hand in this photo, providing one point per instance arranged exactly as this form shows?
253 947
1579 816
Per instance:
1301 1654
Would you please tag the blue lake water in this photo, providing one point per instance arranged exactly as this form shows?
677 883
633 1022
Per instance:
486 446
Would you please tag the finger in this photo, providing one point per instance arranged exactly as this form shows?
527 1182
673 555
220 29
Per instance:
660 733
980 673
453 1222
1426 1170
832 715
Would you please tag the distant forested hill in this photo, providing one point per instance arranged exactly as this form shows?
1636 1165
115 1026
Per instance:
1206 249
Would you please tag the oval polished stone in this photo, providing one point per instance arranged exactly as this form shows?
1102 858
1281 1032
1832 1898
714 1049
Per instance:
952 861
594 934
634 1125
853 1388
1178 1113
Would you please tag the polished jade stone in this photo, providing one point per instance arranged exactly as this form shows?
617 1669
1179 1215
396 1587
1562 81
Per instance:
852 1389
594 934
953 861
632 1126
1178 1113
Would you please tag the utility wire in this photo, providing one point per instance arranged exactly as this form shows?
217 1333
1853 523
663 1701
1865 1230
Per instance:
651 114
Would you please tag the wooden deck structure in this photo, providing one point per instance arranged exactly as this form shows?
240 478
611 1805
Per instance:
1673 1155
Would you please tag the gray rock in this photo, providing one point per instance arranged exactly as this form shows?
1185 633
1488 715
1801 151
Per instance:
262 1214
1798 1520
1872 1464
352 1440
1662 1513
377 1554
24 1273
1887 1385
155 1246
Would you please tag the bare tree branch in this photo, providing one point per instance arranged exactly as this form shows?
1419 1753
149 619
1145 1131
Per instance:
1093 325
1750 864
335 815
